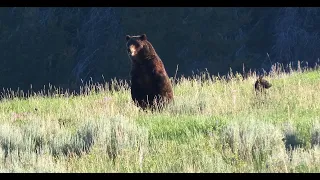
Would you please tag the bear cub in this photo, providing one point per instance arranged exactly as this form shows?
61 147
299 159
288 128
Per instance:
261 85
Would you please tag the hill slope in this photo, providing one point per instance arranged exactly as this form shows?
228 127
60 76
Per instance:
214 126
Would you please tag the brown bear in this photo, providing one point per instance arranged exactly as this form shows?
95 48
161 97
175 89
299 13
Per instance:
150 84
261 84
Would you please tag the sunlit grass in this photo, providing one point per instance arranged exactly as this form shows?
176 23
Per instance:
214 125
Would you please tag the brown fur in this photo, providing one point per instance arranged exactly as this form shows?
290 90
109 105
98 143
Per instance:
261 84
150 84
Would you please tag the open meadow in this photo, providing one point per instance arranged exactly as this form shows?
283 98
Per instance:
214 125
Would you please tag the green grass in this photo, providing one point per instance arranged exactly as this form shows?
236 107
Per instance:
213 126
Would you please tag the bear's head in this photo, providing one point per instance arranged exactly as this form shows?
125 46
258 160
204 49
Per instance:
138 46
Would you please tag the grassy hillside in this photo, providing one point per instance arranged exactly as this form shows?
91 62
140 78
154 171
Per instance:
213 126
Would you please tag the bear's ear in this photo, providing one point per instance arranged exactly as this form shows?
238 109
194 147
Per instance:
127 37
261 76
143 37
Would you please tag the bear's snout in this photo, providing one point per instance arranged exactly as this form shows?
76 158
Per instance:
133 50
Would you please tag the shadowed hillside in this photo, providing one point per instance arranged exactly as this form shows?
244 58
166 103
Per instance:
67 47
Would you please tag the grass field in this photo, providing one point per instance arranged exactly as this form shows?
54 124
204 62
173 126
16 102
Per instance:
213 126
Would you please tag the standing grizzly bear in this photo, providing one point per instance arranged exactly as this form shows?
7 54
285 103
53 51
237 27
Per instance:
261 84
150 84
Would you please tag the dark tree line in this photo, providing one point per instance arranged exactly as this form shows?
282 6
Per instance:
69 46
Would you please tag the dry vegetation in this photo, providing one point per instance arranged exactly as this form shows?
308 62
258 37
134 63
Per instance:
215 125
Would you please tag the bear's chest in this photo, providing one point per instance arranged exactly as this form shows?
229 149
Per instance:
144 80
143 76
